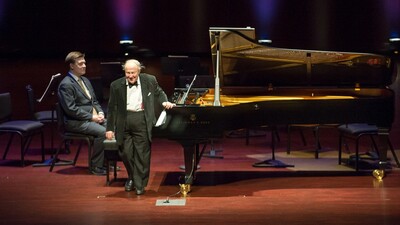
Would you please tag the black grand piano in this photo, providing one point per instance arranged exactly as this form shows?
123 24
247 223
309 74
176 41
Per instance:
258 85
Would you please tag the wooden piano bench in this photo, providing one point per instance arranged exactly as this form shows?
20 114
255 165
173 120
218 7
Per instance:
355 131
111 156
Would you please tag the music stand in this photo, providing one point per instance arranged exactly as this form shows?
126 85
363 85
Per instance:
272 162
50 91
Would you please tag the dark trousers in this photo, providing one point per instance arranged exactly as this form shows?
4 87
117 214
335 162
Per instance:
136 149
96 130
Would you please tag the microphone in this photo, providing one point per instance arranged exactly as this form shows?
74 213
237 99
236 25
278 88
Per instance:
48 86
56 75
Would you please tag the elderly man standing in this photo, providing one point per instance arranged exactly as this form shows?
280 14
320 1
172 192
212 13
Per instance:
131 118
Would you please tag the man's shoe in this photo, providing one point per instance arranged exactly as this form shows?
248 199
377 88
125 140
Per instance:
98 171
140 191
112 168
129 185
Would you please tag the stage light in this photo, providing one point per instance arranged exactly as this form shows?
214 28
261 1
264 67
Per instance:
127 47
264 11
124 12
265 41
128 42
394 45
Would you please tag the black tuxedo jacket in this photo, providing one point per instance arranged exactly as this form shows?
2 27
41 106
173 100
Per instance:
116 115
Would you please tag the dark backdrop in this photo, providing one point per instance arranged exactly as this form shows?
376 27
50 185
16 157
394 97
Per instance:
35 35
47 28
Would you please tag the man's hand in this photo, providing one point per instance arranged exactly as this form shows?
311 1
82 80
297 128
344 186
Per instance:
109 135
168 105
101 117
98 118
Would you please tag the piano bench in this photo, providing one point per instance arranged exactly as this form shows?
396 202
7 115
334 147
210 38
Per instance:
356 131
111 156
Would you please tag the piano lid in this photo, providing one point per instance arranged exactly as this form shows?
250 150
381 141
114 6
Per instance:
244 62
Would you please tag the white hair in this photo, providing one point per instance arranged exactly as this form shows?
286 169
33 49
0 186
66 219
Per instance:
134 61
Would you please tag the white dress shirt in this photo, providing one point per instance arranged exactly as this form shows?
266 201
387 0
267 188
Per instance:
134 97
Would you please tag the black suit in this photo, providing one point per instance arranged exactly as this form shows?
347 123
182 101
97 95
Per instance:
134 137
78 110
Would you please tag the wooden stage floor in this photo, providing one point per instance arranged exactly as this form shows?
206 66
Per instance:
227 191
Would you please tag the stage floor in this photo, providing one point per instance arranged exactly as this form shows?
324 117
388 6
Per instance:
227 191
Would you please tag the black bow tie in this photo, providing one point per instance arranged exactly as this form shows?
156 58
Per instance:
134 84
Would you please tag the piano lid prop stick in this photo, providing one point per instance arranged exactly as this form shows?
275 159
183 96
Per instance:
217 101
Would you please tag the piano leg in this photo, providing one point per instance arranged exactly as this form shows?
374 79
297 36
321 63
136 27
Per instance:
192 156
383 144
382 147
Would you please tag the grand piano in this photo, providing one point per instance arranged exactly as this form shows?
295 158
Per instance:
258 85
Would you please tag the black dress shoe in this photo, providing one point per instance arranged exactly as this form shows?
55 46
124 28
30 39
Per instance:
98 171
129 185
112 168
140 191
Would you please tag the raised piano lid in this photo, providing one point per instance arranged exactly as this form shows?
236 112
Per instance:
244 62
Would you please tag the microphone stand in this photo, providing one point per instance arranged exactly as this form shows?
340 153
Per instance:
272 162
50 91
50 87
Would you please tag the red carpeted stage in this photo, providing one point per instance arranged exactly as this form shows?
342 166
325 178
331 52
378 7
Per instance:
227 191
